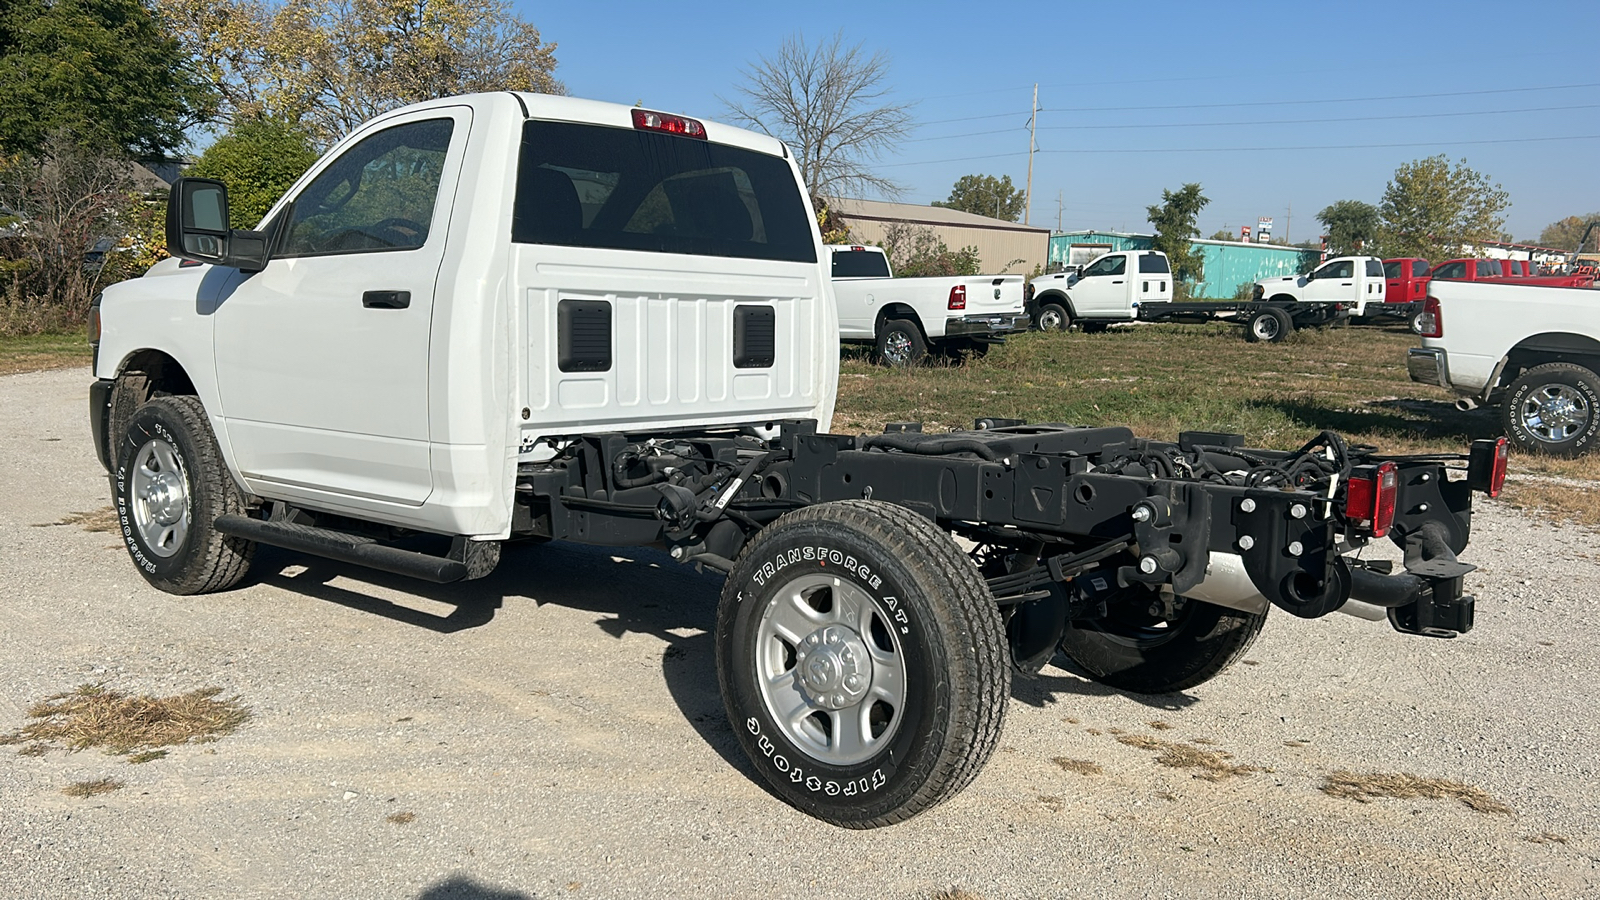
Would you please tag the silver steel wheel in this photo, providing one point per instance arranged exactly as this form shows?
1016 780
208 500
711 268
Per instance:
830 669
1265 327
1555 412
1050 319
160 498
897 347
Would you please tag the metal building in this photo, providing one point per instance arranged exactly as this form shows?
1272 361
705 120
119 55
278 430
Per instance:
1228 264
1003 247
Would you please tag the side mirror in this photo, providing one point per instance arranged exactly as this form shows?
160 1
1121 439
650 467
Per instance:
198 228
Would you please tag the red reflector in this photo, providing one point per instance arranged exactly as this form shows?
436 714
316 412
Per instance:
645 120
1497 477
1432 320
958 297
1369 500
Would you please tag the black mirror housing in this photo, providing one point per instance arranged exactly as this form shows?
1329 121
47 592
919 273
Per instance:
198 227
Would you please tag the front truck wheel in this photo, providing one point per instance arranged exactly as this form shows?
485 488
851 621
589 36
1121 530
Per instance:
171 486
862 662
1133 651
1553 409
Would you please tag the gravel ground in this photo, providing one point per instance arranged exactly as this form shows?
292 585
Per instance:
556 732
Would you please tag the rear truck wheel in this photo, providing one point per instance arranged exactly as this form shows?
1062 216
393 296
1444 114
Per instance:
1054 317
1553 409
171 485
900 343
1270 325
862 662
1134 651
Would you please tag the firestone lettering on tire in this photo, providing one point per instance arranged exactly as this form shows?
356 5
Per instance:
866 784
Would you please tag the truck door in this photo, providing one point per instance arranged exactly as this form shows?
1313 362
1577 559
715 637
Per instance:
1102 289
322 357
1333 281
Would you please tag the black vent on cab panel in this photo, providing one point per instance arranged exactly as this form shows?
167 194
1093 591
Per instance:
583 329
755 337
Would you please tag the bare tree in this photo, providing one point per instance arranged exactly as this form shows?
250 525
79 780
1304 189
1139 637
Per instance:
830 104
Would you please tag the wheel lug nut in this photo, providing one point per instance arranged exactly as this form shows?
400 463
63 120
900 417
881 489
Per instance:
852 681
838 699
812 640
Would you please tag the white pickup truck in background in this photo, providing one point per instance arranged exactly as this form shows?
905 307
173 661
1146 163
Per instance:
1356 280
1109 289
1532 350
906 317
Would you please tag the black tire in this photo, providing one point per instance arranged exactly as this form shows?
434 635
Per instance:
1553 408
170 487
1133 652
901 344
1053 317
1270 325
929 715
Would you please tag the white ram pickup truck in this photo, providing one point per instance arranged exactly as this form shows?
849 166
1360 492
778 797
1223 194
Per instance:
1532 350
1111 288
906 317
1353 280
519 317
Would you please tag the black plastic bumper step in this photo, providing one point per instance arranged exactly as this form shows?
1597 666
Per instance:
349 548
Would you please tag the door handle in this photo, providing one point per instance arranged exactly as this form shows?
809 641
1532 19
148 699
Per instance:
386 299
1346 283
1116 282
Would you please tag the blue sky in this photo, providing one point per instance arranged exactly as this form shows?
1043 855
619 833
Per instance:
1497 75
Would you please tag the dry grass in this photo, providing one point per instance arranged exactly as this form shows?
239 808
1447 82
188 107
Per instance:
1079 766
1213 765
401 818
1159 725
1364 788
36 352
91 788
100 520
1545 837
954 893
94 716
1560 503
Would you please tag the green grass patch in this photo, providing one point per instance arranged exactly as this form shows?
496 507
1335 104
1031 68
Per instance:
1162 379
36 352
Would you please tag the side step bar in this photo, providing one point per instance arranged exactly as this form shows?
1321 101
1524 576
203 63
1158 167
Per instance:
344 547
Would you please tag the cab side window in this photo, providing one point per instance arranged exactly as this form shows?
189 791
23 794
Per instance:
378 196
1110 265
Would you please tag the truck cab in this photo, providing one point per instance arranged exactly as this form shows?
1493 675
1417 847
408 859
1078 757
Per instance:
1355 280
1406 279
1109 289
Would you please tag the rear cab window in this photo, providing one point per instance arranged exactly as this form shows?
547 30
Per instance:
623 189
1374 269
860 264
1392 269
1419 268
1153 264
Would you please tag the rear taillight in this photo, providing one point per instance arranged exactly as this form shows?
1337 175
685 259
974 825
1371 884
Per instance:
1486 465
1369 498
1432 321
645 120
958 297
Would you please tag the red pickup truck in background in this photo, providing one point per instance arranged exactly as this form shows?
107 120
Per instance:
1406 280
1491 270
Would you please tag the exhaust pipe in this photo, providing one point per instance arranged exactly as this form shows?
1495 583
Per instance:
1467 404
1228 584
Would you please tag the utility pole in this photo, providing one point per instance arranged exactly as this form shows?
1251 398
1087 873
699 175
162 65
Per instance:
1058 209
1288 223
1033 125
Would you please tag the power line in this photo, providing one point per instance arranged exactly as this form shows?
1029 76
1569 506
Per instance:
1490 112
1553 87
1570 137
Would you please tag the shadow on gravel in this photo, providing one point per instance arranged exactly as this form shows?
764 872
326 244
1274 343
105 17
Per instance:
1043 690
460 887
1434 420
632 590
